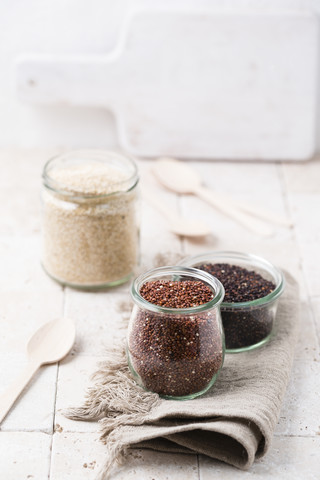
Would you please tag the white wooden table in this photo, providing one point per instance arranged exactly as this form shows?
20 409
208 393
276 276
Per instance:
36 441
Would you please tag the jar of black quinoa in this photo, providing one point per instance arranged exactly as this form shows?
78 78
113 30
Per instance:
175 342
252 289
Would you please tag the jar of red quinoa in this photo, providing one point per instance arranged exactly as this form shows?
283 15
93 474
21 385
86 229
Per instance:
175 342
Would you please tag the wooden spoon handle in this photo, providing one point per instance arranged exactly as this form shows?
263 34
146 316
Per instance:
244 219
8 398
257 211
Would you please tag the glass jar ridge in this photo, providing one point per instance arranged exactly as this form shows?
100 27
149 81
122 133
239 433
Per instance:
90 224
176 352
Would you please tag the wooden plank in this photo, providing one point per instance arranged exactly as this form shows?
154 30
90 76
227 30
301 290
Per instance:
81 455
24 455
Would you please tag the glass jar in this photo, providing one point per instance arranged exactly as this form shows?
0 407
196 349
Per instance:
90 227
247 324
176 352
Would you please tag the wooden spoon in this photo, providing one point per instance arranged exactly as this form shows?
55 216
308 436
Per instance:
181 178
49 344
177 224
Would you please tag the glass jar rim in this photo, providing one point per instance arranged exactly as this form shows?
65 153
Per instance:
152 274
95 154
276 273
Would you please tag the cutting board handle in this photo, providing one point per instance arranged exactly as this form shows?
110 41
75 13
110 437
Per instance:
76 80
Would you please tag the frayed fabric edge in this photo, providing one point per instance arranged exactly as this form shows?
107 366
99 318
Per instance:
115 400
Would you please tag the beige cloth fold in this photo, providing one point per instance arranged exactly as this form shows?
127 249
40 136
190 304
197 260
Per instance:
233 422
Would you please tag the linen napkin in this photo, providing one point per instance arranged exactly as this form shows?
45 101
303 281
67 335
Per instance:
233 422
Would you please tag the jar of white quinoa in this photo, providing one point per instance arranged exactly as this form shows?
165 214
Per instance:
90 227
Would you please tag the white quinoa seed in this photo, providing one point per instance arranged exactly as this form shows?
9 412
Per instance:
89 241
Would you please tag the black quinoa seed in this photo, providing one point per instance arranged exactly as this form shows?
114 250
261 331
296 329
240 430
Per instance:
247 326
240 284
174 354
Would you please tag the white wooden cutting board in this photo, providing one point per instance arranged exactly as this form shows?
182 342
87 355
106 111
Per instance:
196 84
